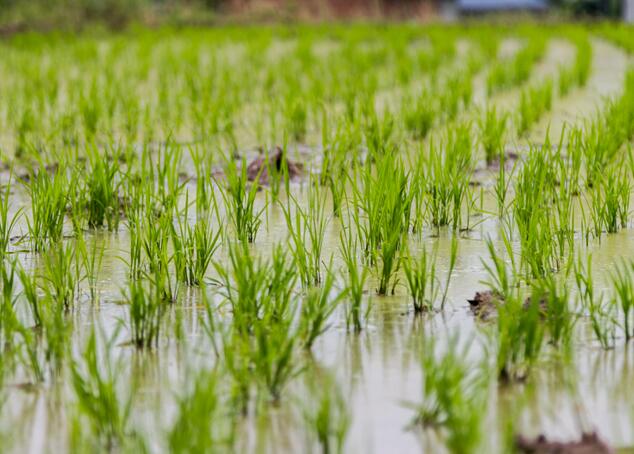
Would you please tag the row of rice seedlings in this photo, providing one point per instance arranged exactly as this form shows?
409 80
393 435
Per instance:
534 102
507 74
577 74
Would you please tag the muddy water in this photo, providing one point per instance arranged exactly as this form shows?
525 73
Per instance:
378 370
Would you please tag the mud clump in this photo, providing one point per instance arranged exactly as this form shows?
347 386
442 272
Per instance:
484 304
590 443
258 169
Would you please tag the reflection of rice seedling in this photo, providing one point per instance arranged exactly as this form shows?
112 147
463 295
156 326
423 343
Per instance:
454 396
326 415
95 380
201 420
316 308
145 309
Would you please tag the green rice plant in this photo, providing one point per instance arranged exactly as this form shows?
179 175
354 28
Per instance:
194 248
558 318
453 256
334 167
256 289
356 275
30 293
240 202
502 185
102 182
327 416
95 382
156 231
61 276
419 115
91 262
507 74
520 337
610 201
7 222
49 196
454 395
602 318
385 201
491 128
378 133
307 230
502 275
622 280
535 214
296 118
447 174
317 306
202 421
145 311
422 281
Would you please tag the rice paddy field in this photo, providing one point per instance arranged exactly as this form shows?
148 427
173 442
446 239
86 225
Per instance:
318 238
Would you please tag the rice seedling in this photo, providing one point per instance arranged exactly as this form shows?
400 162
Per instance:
102 189
419 115
7 222
622 280
602 317
61 275
316 308
553 298
385 201
492 128
534 102
91 262
307 230
194 248
145 310
240 202
520 338
356 276
454 395
48 195
422 281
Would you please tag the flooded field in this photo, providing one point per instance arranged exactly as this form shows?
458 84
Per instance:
358 239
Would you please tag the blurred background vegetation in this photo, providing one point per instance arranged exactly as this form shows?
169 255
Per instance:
19 15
